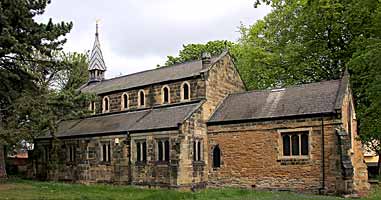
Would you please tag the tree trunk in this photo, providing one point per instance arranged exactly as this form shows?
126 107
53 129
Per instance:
3 172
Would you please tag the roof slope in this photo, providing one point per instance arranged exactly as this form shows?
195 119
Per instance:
148 119
314 98
175 72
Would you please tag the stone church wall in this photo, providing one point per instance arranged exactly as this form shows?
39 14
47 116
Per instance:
359 180
251 157
222 79
152 172
87 165
153 94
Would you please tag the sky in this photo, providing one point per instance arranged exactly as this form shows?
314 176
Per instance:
136 35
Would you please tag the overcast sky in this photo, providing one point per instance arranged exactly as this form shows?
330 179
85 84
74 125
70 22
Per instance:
136 35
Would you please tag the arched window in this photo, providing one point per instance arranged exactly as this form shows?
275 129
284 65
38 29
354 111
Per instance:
165 95
216 157
92 106
106 104
185 91
142 100
124 101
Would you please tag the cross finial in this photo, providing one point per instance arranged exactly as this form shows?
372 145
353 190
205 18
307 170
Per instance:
96 26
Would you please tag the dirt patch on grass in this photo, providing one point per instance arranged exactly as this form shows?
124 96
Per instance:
7 186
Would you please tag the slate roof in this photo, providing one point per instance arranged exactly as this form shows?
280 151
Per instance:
175 72
147 119
307 99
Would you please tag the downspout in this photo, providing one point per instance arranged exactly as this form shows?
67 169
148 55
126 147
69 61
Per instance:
128 141
322 188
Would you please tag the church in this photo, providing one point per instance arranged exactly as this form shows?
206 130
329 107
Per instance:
195 125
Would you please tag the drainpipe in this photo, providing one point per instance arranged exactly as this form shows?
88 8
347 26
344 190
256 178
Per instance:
128 141
322 188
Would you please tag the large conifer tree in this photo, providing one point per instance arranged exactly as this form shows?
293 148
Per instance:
26 62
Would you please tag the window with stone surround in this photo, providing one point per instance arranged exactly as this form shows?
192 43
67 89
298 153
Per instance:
163 150
216 157
141 151
46 154
90 152
185 91
165 94
197 150
105 152
141 98
71 153
295 143
124 101
106 104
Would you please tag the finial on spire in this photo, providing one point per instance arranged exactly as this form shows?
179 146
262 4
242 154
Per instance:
96 26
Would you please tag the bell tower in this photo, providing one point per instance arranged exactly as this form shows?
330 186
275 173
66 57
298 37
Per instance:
97 66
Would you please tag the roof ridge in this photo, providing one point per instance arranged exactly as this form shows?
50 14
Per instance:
158 68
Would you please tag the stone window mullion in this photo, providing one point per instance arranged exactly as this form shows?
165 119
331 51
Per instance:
197 158
163 148
300 143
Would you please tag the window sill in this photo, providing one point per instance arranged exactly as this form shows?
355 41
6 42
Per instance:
198 163
161 162
216 168
105 163
141 163
70 162
294 160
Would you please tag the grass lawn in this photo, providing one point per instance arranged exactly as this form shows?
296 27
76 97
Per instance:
26 189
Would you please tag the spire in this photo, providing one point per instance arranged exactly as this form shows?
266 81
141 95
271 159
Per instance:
97 66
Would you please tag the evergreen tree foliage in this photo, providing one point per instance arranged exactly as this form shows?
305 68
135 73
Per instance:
31 62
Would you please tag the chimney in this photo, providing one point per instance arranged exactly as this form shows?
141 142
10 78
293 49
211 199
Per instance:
205 58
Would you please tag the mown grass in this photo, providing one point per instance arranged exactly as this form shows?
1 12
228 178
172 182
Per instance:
26 189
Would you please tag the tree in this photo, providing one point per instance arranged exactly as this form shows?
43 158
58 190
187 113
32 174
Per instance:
367 88
312 40
194 51
75 73
28 106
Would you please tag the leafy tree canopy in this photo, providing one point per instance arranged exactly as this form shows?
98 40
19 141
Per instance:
194 51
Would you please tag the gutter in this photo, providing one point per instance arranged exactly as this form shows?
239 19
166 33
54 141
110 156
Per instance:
237 121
